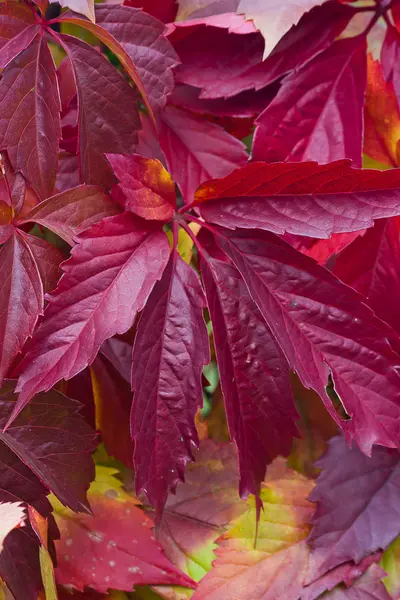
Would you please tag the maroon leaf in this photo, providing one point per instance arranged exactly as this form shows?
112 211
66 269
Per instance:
358 524
70 213
108 278
113 400
371 265
105 125
68 172
145 187
66 83
30 122
197 150
170 350
323 329
119 354
18 27
304 199
308 119
53 440
47 258
21 298
368 586
163 11
254 374
19 564
143 39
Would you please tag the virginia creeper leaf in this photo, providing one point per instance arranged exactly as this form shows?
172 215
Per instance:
143 39
119 354
21 298
30 122
68 172
18 27
19 564
371 266
305 199
201 508
103 95
111 271
254 373
53 440
70 213
197 150
275 567
306 308
170 350
390 57
113 548
47 258
165 11
371 521
145 187
328 129
381 117
274 19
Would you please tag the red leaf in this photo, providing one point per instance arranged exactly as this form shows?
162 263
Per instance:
254 374
18 27
390 58
19 564
171 347
111 271
308 119
371 265
142 37
66 83
349 526
105 125
70 213
164 11
30 122
68 172
21 298
274 19
197 150
113 548
113 400
305 199
145 187
224 63
119 354
323 328
53 440
368 586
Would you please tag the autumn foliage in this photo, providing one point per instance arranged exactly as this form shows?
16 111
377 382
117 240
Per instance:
200 300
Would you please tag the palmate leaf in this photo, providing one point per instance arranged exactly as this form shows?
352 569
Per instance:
254 373
170 350
305 199
323 328
111 271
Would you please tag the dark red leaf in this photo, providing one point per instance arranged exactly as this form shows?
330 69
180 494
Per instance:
304 199
145 187
197 150
18 27
308 119
170 350
66 83
142 37
113 400
163 11
368 586
19 564
371 265
68 172
349 526
21 298
30 122
254 374
108 278
119 354
105 125
323 329
69 213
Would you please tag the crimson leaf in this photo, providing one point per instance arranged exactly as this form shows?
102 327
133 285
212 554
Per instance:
171 347
106 281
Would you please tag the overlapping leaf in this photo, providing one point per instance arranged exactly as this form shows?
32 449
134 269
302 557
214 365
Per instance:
170 350
305 199
306 308
111 272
